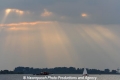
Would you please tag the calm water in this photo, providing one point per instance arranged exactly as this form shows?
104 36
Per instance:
20 77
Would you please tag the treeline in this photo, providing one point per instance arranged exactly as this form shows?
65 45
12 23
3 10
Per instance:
56 70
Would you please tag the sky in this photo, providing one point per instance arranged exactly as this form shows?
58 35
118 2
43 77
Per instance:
59 33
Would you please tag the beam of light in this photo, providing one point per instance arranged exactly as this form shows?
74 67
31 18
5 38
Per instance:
3 20
101 41
8 11
88 41
108 34
93 38
54 42
19 43
112 38
48 36
84 36
93 34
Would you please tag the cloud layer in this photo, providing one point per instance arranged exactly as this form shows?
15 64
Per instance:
99 12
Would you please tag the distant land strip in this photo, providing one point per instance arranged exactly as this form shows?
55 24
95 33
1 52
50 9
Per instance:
57 70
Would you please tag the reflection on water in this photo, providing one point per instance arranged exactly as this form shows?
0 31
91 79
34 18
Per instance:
20 77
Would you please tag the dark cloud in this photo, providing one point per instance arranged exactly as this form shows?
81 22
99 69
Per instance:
100 12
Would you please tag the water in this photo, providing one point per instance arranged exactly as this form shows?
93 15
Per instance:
20 77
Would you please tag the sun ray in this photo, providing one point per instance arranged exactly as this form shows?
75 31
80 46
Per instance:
54 45
108 34
52 39
101 42
7 12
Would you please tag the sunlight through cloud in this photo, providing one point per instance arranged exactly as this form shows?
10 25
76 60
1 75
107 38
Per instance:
46 13
16 11
27 23
20 12
84 15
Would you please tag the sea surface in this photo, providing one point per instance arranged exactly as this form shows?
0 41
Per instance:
57 77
